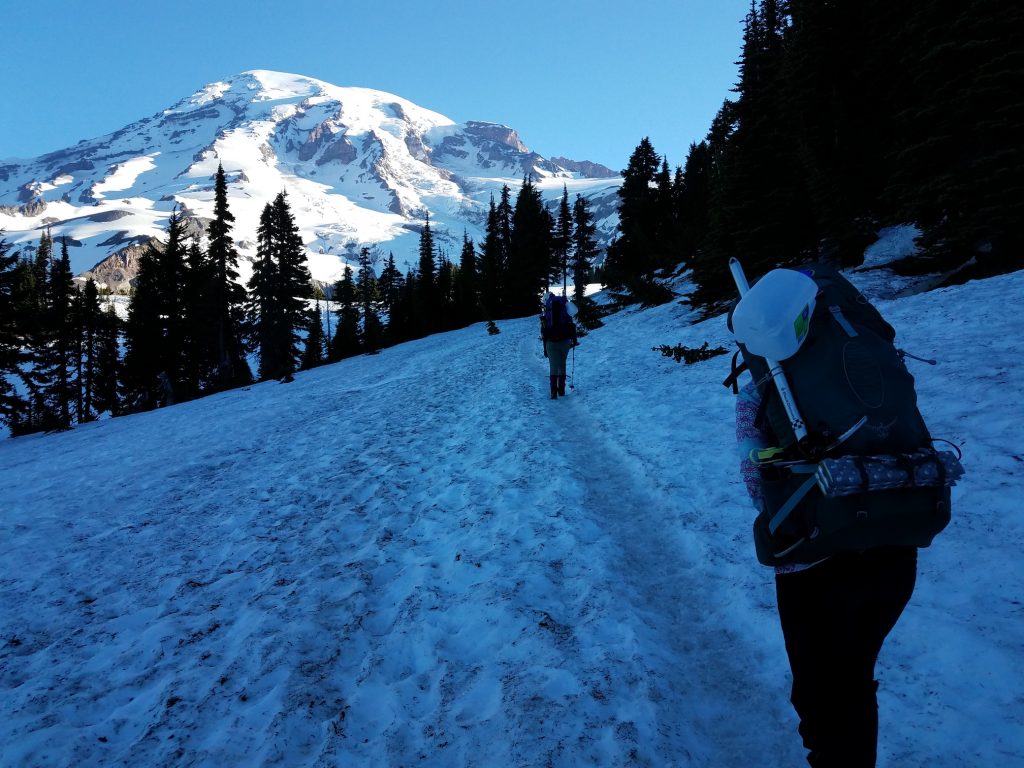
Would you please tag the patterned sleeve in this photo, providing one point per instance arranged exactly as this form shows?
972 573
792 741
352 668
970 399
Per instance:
749 438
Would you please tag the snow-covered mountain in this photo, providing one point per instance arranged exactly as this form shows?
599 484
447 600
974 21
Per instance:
360 166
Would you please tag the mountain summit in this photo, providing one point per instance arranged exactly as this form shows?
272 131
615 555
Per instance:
361 168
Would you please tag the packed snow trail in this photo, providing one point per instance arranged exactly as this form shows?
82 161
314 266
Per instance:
408 557
670 599
417 558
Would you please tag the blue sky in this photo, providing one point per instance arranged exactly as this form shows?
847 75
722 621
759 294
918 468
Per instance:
586 79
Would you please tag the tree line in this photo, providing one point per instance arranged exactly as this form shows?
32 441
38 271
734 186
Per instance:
192 326
848 116
58 346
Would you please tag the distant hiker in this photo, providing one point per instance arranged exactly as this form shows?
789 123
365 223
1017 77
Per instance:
559 334
839 464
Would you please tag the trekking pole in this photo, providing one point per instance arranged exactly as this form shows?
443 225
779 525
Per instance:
774 367
572 375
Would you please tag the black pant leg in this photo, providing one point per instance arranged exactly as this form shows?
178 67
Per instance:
835 617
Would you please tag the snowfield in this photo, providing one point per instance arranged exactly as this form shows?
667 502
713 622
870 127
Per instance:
416 558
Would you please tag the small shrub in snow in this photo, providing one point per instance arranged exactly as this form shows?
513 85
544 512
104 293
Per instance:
681 353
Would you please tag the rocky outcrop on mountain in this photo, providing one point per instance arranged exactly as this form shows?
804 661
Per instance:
500 134
340 149
31 208
318 138
118 271
28 192
452 146
585 168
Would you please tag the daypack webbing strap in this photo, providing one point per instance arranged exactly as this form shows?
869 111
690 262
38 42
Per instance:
732 379
837 313
941 469
797 496
865 481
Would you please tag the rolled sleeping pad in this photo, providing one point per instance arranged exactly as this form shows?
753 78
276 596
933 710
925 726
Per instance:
847 475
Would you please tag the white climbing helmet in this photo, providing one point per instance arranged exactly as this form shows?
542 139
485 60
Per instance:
773 317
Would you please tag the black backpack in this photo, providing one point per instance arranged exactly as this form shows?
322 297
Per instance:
558 324
857 399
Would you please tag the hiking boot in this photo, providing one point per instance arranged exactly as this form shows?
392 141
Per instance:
561 385
554 387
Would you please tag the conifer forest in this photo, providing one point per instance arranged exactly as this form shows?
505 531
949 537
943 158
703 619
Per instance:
846 117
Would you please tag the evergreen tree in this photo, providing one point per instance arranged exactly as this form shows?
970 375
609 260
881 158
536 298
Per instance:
144 337
584 250
228 296
445 292
56 358
496 259
492 267
693 199
172 264
630 257
40 280
265 319
561 242
959 171
831 104
79 358
389 284
279 287
368 296
668 253
830 139
713 282
760 207
465 290
38 339
530 259
427 304
90 350
768 193
346 338
505 216
294 279
156 333
107 363
313 352
404 318
12 406
66 308
199 324
97 355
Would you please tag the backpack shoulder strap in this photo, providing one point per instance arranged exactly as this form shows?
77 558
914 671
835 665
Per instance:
732 380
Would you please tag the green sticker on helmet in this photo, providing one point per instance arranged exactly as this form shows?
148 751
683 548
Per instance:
802 324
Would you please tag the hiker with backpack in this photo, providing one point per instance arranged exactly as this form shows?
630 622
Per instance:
847 487
558 332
